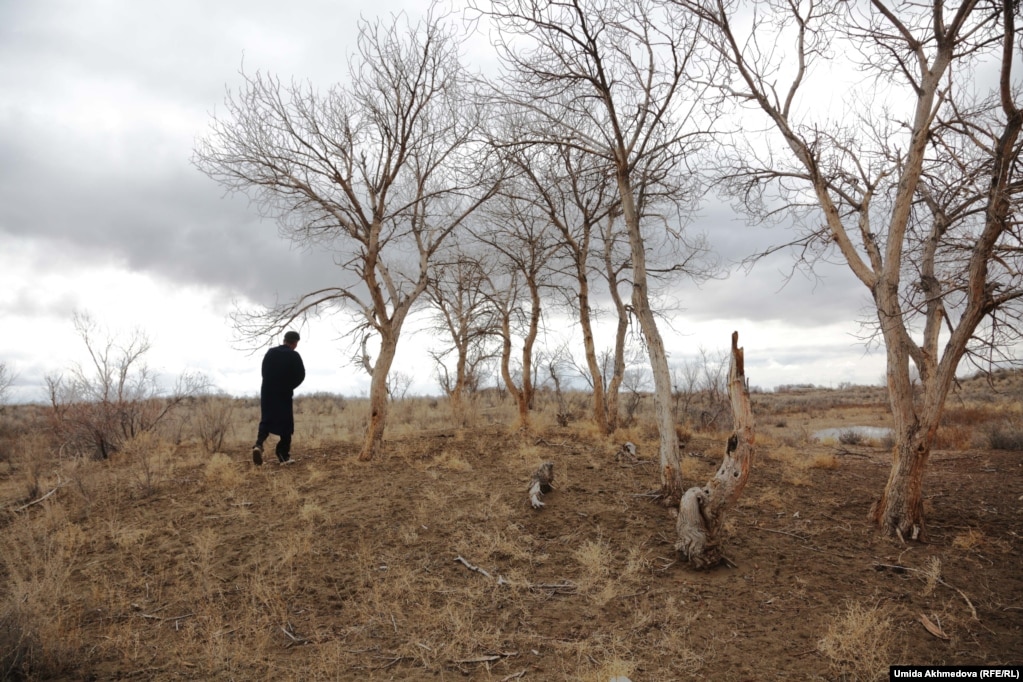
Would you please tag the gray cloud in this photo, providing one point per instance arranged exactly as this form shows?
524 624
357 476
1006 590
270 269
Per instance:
99 114
100 105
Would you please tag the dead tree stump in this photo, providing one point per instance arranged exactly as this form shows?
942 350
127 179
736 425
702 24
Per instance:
541 483
702 509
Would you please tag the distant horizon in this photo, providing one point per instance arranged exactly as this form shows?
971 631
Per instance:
300 394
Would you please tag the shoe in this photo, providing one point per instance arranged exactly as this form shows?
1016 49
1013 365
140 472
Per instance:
257 454
287 461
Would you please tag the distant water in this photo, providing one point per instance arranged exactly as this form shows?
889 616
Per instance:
866 432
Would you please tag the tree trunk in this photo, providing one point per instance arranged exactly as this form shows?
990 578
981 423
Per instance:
671 474
900 511
457 394
702 510
622 328
521 399
378 401
597 377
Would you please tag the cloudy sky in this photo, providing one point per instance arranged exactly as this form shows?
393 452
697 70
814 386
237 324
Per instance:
102 211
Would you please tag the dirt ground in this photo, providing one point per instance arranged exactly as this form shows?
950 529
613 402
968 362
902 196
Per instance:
430 564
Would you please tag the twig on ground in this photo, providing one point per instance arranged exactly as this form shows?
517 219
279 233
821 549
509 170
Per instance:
488 658
782 532
152 617
59 486
294 640
845 452
938 580
473 568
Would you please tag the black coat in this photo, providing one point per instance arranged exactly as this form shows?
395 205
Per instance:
283 372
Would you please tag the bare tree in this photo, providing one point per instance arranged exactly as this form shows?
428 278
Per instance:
464 314
99 406
621 81
522 243
614 268
918 189
700 389
380 171
7 378
576 195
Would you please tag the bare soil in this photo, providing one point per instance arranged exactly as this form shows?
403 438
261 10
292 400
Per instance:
335 569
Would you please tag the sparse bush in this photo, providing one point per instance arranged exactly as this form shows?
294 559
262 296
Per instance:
953 437
6 380
39 624
1005 435
96 409
213 421
148 459
850 437
222 472
858 642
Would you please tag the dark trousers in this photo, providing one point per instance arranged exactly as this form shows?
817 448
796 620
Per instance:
283 448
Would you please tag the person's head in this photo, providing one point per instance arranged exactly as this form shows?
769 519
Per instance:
291 339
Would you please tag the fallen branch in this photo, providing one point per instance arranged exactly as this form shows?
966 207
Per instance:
932 628
473 568
294 640
152 617
489 658
780 532
845 452
59 486
938 580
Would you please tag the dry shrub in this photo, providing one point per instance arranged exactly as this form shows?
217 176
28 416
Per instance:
213 421
821 460
40 616
615 669
786 454
595 577
763 498
971 539
452 461
312 512
683 434
148 458
1006 435
974 539
953 437
851 437
222 472
858 642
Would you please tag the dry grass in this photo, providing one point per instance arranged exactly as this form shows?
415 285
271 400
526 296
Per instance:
177 559
858 642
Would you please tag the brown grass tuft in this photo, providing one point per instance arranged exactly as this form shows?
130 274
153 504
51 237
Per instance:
858 642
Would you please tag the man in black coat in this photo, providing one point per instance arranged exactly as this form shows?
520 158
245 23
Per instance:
283 371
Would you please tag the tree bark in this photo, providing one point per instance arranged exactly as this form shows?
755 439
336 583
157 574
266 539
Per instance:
671 473
702 509
900 511
597 377
378 401
622 328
